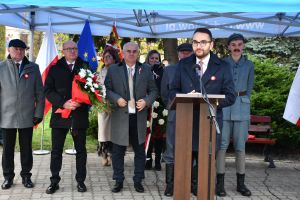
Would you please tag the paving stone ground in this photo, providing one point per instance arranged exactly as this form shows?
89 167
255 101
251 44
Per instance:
282 182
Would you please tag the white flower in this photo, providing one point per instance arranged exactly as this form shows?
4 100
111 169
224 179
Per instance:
92 89
161 121
85 86
156 104
148 124
82 73
90 84
104 93
96 85
89 80
89 72
165 112
154 115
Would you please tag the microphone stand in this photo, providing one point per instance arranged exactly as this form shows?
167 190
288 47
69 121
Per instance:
212 119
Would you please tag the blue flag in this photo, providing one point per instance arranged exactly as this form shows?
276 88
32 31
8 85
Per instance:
86 48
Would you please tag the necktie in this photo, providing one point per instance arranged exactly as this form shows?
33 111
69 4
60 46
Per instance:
131 102
70 66
201 68
18 66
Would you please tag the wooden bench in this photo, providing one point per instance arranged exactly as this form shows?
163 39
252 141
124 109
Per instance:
259 133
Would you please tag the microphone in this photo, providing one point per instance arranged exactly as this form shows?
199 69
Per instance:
197 68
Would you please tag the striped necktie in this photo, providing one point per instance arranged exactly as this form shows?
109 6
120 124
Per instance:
201 68
131 102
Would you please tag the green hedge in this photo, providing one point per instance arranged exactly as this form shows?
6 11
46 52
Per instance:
271 88
93 124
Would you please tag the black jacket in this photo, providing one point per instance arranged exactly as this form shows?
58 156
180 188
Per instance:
58 89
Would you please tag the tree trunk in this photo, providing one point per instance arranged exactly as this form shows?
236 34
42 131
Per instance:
170 52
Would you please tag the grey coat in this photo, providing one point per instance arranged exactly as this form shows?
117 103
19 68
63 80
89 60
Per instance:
167 79
243 77
21 97
116 83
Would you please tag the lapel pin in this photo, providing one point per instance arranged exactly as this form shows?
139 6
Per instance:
213 78
26 76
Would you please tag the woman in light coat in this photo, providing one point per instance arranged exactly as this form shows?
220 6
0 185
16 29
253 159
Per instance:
110 57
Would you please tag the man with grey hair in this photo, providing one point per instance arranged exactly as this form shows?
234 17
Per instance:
22 104
131 89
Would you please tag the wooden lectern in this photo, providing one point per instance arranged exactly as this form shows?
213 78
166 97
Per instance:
184 104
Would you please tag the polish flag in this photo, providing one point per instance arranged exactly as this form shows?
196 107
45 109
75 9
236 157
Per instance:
47 57
292 108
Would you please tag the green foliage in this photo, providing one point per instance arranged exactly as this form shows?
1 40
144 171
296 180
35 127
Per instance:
2 43
60 38
92 130
91 142
148 44
271 88
285 51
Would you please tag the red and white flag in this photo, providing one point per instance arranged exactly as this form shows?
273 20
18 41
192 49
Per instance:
292 108
47 57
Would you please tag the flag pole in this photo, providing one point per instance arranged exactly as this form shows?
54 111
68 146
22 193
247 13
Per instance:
71 151
42 151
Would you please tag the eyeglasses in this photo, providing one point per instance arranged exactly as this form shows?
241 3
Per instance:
202 43
70 49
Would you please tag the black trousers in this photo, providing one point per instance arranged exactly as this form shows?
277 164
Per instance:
58 140
9 142
158 146
118 154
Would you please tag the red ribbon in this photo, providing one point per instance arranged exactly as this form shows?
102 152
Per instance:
77 95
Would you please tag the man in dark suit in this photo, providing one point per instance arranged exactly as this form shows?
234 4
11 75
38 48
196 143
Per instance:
58 89
22 104
183 51
216 77
130 87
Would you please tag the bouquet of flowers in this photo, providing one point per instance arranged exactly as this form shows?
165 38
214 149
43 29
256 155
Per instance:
85 89
159 119
88 83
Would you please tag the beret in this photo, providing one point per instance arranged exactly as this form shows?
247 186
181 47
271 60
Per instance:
235 36
17 43
185 47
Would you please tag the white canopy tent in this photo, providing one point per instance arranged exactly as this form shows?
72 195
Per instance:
156 19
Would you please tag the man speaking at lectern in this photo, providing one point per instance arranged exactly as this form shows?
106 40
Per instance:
216 78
